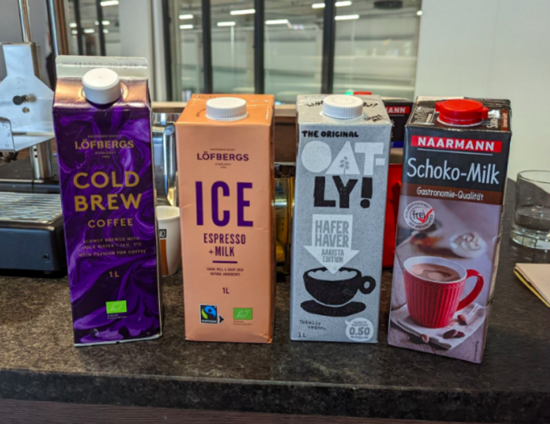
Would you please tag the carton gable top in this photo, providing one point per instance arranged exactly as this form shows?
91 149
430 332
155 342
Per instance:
310 107
132 71
258 106
424 106
125 67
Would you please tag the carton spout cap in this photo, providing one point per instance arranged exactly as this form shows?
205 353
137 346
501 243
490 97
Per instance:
226 109
342 107
461 112
101 86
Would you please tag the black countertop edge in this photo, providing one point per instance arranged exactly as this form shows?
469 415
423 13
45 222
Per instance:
237 381
278 397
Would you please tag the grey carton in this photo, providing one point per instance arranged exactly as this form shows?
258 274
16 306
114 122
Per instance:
340 202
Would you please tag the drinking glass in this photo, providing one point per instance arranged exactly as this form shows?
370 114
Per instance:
532 215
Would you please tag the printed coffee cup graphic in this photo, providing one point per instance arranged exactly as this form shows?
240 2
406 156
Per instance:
434 287
333 292
337 289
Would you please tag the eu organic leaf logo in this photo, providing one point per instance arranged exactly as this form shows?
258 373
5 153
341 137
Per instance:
242 314
116 307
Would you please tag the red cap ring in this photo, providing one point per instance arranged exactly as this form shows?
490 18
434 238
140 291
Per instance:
461 112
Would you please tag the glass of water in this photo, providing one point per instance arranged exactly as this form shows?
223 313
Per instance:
532 216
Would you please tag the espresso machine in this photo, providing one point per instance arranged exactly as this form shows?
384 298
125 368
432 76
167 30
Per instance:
31 225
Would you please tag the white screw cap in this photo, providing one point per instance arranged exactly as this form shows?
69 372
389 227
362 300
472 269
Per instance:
342 107
226 109
101 86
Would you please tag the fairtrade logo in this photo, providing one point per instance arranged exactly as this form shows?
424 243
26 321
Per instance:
419 215
162 234
209 314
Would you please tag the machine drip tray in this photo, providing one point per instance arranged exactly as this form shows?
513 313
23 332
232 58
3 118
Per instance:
31 232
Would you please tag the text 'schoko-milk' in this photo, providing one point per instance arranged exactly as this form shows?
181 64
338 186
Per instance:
102 119
225 158
340 203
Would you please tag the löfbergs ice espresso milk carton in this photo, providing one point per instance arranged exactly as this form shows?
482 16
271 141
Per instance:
225 148
340 202
102 119
449 225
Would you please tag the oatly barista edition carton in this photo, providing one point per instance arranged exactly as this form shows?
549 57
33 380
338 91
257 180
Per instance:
102 119
340 202
225 148
449 225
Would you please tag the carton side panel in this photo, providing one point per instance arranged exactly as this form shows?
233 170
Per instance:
108 207
228 266
450 215
339 213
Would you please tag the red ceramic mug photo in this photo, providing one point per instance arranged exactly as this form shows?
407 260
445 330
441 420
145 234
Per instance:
434 287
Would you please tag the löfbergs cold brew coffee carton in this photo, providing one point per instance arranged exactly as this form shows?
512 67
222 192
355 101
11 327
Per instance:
102 119
225 147
449 225
340 201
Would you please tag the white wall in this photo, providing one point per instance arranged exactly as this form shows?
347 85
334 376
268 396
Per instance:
498 49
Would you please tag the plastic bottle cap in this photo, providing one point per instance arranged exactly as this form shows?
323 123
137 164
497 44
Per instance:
101 86
226 109
461 112
343 107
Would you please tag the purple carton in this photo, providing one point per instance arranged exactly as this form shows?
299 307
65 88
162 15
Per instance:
102 118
